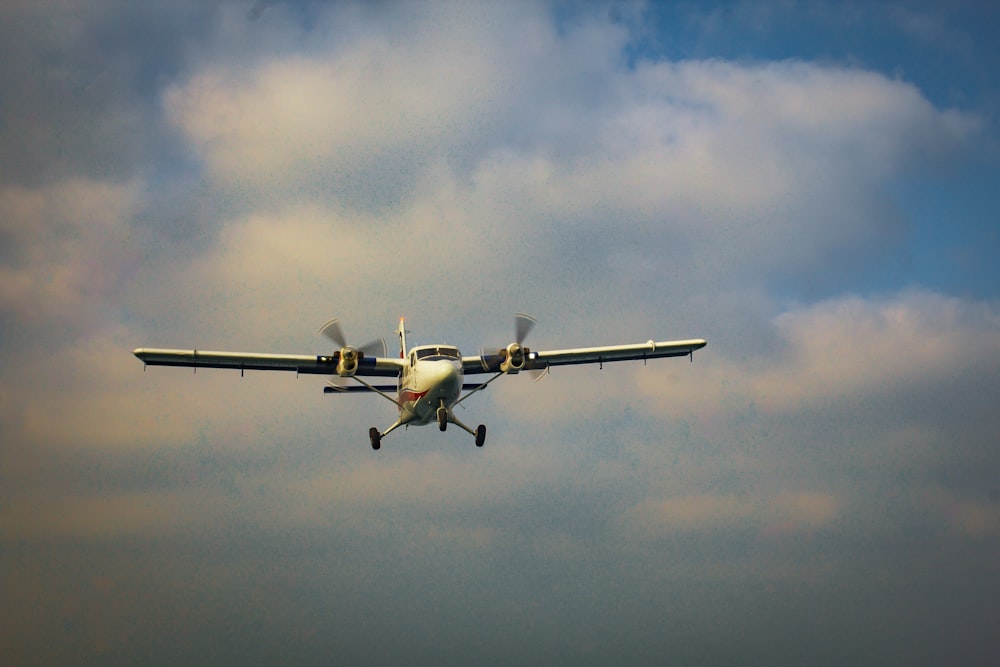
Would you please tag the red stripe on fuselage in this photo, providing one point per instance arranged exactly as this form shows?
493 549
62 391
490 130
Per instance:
408 395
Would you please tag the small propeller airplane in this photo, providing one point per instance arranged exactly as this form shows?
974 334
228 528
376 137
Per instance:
429 380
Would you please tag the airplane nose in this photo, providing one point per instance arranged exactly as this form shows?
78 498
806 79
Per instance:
445 375
446 370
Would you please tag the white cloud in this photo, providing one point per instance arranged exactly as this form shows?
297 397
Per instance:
681 180
367 111
713 169
851 347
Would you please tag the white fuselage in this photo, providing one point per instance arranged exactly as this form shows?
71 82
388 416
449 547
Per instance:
431 378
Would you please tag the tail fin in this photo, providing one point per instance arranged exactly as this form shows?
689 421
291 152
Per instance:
401 331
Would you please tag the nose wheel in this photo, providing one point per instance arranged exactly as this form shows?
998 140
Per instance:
442 417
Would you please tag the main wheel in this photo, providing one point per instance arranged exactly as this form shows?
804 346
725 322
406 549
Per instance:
375 437
480 435
442 417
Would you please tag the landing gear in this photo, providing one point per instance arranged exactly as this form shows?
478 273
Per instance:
442 417
479 434
376 436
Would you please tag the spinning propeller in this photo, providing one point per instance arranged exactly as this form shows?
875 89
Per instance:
511 359
523 324
347 362
332 330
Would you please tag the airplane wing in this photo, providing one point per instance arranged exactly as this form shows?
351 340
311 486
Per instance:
541 360
251 361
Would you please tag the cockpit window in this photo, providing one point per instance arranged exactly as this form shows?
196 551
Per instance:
440 351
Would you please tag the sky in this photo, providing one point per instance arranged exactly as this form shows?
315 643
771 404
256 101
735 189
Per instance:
809 186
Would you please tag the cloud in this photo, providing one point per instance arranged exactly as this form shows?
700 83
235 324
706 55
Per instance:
706 175
81 110
688 167
68 249
655 518
686 179
709 164
849 347
360 119
865 416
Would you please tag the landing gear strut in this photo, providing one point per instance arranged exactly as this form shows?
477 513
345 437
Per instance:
443 417
479 434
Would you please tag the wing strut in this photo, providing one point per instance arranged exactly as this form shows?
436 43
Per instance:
377 391
479 388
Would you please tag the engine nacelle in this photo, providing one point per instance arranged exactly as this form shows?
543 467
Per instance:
347 364
514 358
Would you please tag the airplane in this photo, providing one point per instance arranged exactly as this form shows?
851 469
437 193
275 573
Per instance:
429 379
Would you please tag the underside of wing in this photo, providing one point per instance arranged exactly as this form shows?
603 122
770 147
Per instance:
587 355
357 388
599 355
251 361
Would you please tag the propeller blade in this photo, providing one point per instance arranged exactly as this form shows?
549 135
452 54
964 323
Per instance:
522 326
491 357
374 348
333 331
538 374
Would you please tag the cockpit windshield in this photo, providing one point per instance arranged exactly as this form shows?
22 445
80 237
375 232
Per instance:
438 352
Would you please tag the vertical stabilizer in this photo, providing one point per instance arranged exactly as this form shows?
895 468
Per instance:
402 339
